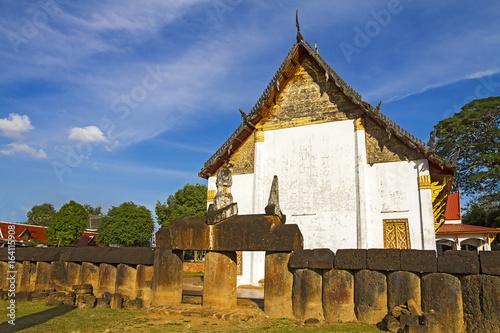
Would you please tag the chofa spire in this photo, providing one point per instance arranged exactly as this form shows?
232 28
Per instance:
299 35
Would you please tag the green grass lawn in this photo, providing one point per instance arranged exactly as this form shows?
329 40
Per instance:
37 317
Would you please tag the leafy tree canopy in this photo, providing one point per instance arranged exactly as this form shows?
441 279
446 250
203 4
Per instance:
474 134
484 212
126 225
41 214
93 210
68 224
191 200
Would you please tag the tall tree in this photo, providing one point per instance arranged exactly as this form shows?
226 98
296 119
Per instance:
68 224
126 225
191 200
473 134
93 210
41 214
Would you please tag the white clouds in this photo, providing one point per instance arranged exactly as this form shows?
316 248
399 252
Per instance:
14 147
15 125
87 134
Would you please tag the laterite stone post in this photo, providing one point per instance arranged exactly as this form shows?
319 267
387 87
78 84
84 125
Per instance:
370 296
167 283
74 275
42 277
125 280
219 285
278 284
90 274
144 284
307 294
338 296
107 279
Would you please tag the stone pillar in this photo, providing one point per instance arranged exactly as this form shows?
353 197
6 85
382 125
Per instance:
441 295
107 279
58 271
338 296
74 275
401 287
24 277
90 274
144 284
42 277
19 272
125 280
307 294
481 299
4 268
219 283
361 198
167 282
370 296
278 285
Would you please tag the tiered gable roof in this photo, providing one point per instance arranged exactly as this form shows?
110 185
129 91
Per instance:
280 80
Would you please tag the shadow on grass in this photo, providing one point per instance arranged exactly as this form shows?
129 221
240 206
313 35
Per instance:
35 319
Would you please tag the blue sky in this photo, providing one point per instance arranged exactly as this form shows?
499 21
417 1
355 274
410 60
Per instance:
104 102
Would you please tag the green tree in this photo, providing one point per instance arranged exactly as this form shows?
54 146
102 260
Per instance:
191 200
473 134
484 212
126 225
93 210
68 224
41 214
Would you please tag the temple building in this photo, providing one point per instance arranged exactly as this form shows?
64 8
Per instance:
454 235
349 177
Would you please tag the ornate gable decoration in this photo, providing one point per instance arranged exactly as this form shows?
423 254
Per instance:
306 90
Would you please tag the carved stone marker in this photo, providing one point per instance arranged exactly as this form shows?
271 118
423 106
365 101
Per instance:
273 204
223 206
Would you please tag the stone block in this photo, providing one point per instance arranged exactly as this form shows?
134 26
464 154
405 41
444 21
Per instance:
256 233
58 272
125 280
481 299
391 324
83 289
317 258
441 296
401 287
89 254
458 262
132 304
354 259
163 238
370 296
85 301
39 295
215 216
102 303
35 254
219 284
90 274
189 233
24 296
414 306
410 320
42 275
278 284
167 282
383 259
490 262
107 279
144 284
69 298
74 274
419 261
130 256
307 294
116 301
338 296
56 298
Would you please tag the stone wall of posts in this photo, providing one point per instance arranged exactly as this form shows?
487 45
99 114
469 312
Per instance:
127 271
455 292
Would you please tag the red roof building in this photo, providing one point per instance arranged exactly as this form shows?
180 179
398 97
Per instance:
453 235
25 233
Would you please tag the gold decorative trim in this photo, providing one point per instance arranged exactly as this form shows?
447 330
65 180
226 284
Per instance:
210 195
439 199
359 124
424 182
396 234
259 136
